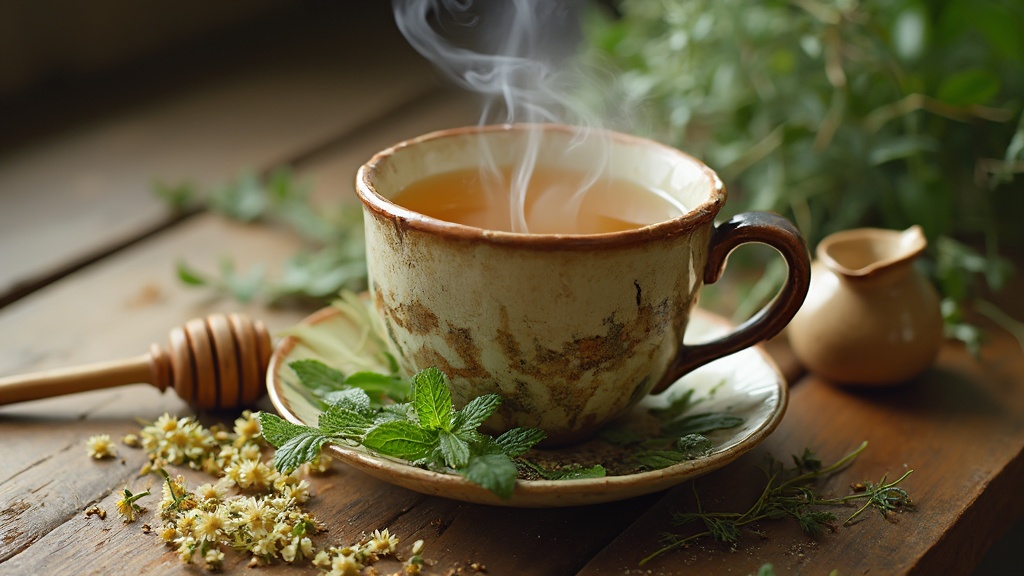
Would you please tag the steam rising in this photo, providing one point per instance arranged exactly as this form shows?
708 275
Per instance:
514 54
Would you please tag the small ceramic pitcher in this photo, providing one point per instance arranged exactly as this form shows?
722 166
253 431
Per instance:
870 317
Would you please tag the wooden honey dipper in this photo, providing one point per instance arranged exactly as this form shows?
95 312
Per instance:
215 362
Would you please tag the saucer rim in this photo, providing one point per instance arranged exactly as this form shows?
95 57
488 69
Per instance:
527 493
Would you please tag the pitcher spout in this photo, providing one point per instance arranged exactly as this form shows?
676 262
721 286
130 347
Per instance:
867 252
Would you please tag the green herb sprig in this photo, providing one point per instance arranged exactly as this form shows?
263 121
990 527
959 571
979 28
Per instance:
427 430
789 493
840 115
333 256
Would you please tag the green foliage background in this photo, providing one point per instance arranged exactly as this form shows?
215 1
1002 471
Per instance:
840 113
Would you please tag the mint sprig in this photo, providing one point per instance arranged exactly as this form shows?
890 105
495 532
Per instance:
427 431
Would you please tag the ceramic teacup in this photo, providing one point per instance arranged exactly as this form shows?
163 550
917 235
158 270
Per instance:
571 330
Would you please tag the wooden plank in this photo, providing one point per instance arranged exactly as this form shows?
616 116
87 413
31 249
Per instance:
114 309
69 198
960 428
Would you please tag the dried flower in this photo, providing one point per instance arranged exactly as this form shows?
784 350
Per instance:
319 465
127 509
345 565
383 543
209 525
415 562
255 474
247 428
100 446
214 559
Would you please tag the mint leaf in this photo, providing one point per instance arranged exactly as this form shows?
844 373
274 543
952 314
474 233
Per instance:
295 444
495 472
330 384
391 412
377 385
517 441
655 459
577 472
693 446
401 439
701 424
189 275
432 399
676 407
454 450
277 430
473 415
339 420
300 449
354 399
317 376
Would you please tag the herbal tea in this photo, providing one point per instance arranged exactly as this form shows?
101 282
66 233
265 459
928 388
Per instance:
557 201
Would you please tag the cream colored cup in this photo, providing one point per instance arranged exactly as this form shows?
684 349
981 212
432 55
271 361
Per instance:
571 330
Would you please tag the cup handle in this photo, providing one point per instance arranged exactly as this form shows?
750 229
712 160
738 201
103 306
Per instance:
765 228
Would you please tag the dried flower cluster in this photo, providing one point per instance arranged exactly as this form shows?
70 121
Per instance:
184 441
251 507
350 560
207 521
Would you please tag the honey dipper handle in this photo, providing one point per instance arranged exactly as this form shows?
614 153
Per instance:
78 379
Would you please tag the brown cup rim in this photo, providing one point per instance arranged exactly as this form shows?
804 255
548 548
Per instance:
405 219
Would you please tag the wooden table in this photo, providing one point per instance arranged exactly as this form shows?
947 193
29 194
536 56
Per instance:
87 258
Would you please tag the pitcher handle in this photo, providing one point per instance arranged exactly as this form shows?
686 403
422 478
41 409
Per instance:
765 228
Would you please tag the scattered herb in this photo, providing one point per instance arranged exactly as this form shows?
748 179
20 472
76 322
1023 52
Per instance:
679 438
571 472
427 431
333 258
700 424
789 493
677 406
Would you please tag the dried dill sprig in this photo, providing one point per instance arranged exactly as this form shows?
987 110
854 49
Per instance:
789 493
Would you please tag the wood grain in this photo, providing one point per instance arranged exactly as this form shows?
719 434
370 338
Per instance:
960 427
70 198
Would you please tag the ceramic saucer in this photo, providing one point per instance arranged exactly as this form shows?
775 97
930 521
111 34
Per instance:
746 384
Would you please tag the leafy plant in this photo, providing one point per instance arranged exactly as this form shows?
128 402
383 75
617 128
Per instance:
427 430
841 114
333 258
790 493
